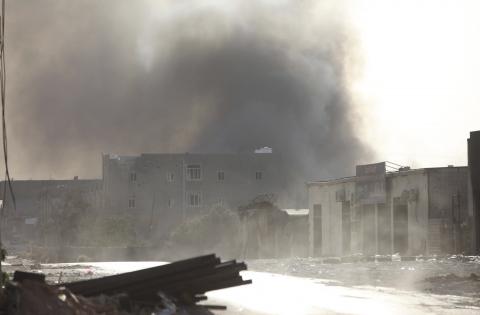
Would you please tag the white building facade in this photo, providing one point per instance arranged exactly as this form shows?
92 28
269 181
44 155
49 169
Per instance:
411 212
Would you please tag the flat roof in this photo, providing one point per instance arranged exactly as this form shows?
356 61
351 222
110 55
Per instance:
23 181
388 174
296 212
332 181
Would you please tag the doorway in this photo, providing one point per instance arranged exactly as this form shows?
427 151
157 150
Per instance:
346 228
369 229
400 229
317 230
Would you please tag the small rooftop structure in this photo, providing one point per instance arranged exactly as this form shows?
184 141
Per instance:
297 212
264 150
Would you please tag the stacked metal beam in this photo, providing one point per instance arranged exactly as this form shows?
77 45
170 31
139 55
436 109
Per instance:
184 281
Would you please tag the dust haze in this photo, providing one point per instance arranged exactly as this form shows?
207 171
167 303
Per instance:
178 76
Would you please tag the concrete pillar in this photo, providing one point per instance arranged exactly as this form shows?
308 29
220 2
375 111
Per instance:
390 206
310 231
244 237
412 228
376 228
275 255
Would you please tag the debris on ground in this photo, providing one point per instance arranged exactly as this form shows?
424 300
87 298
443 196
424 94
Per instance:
425 274
448 283
31 297
174 288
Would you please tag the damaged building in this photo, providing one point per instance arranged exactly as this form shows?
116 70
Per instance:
163 189
270 232
407 211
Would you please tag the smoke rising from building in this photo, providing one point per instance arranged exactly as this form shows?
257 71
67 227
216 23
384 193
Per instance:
130 77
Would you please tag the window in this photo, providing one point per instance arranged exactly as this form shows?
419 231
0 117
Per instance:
194 199
258 175
131 203
170 177
133 177
194 172
170 203
220 175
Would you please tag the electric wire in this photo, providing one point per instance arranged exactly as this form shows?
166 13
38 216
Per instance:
3 79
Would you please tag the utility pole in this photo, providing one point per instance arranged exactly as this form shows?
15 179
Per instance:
2 95
184 175
8 180
1 245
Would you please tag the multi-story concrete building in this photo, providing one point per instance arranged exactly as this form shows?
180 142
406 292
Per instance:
421 211
162 189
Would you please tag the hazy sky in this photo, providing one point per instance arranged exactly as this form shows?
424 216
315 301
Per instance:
419 90
370 80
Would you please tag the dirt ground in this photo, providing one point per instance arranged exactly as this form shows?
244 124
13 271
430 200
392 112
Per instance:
453 276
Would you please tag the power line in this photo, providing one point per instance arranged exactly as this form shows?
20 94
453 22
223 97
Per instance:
3 81
395 164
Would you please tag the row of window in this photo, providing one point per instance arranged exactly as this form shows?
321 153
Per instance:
193 173
193 199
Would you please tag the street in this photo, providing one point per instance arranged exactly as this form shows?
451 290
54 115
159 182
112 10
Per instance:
280 294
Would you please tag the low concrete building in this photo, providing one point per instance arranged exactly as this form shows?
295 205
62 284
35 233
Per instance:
411 212
35 202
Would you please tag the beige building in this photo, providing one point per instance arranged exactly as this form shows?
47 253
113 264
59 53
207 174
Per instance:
411 212
161 190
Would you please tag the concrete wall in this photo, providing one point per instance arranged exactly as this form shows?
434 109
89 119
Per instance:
116 184
474 166
449 210
472 214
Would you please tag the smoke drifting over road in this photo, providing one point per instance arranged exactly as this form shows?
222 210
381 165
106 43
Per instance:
173 76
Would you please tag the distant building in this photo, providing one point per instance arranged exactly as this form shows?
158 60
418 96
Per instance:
474 166
411 212
35 200
162 189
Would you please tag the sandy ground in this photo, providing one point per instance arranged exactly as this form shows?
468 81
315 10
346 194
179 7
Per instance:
306 286
280 294
451 276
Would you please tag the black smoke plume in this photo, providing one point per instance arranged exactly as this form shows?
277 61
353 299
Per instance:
126 77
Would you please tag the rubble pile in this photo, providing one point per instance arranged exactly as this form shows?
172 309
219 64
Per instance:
35 297
174 288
